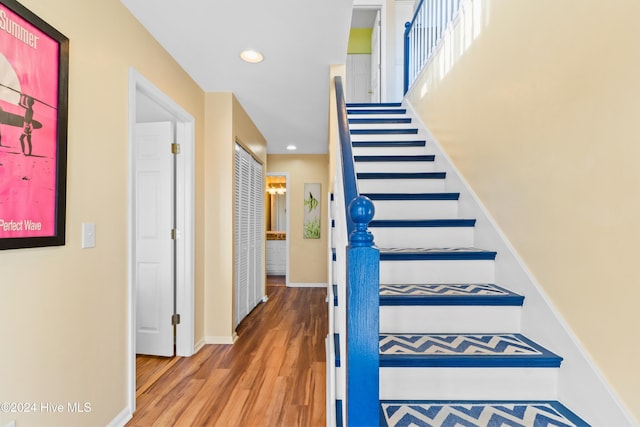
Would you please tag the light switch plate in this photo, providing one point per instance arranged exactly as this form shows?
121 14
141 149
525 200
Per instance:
88 235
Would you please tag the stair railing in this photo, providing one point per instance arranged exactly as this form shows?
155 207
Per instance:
423 33
362 283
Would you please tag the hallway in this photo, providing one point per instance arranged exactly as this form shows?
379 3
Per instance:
274 375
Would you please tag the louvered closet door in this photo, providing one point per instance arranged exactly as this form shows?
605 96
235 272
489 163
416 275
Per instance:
248 233
258 233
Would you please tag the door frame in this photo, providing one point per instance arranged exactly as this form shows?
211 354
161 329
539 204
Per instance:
286 226
382 7
185 220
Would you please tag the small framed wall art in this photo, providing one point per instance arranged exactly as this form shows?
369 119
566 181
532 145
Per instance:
312 211
34 70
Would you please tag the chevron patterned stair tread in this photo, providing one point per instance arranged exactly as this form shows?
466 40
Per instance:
386 144
412 196
463 350
403 223
448 294
477 414
416 254
401 175
415 158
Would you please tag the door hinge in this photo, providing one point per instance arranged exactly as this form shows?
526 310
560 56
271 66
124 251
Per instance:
174 234
175 319
175 148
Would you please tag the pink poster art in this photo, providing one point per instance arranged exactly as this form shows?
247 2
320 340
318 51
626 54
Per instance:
32 155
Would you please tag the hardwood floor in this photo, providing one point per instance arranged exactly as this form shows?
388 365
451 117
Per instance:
274 375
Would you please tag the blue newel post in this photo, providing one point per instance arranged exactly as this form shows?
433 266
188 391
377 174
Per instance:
363 319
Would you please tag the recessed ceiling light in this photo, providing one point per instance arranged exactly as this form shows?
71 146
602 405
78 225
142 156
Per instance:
252 56
291 147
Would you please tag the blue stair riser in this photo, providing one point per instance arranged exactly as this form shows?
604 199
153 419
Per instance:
373 121
448 295
401 175
451 301
400 254
389 144
373 104
377 111
426 158
470 362
410 196
384 131
464 351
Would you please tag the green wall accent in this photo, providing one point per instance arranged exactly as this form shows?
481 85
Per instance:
359 40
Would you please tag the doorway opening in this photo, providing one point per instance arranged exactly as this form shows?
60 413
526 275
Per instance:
277 213
365 55
147 104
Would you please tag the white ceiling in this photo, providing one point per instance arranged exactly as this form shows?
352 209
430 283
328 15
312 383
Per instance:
287 94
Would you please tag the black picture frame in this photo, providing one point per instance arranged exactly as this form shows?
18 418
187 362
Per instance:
34 82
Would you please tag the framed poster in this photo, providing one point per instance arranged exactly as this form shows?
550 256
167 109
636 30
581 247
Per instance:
34 69
311 218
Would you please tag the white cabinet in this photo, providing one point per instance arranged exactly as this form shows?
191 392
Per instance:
276 257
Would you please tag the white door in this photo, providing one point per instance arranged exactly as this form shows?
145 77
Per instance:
154 246
375 59
358 77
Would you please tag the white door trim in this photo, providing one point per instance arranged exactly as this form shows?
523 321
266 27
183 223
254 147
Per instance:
379 5
185 200
286 177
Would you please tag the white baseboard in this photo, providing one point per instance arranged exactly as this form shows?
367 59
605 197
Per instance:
198 346
122 418
307 285
219 339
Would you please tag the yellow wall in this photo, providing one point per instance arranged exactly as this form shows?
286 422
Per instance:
359 40
537 103
307 257
64 309
226 123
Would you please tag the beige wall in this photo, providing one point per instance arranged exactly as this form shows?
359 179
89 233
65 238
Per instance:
226 123
307 257
537 102
64 309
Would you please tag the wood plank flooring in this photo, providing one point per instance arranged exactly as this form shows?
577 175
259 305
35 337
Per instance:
274 375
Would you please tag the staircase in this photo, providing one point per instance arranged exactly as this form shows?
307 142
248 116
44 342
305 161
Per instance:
451 351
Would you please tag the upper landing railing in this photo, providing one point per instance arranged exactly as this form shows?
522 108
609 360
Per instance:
423 33
362 283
